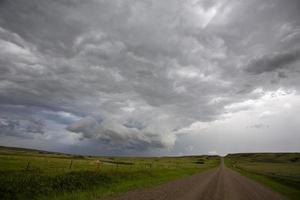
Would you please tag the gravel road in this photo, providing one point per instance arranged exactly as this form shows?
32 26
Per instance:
216 184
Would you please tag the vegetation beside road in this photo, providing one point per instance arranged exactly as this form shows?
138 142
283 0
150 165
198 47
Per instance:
279 171
33 174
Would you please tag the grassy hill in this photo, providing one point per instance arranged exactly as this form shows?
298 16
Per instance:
279 171
35 174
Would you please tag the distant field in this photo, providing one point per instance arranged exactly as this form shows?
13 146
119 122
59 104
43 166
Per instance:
33 174
279 171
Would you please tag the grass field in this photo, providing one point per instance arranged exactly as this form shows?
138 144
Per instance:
279 171
33 174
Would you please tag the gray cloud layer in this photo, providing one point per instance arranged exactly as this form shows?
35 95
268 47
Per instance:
136 74
269 63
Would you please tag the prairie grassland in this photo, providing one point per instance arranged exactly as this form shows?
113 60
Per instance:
33 174
279 171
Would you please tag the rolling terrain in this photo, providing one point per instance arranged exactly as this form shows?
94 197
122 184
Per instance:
220 183
278 171
34 174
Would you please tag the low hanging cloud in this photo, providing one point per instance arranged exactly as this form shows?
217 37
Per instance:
24 128
120 136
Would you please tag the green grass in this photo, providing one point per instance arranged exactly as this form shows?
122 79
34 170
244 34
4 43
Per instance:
278 171
32 174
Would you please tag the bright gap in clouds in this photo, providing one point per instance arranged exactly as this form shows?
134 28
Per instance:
250 126
150 77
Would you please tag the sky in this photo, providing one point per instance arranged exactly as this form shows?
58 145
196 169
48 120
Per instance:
150 77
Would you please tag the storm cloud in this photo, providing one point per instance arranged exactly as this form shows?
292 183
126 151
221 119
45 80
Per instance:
269 63
137 76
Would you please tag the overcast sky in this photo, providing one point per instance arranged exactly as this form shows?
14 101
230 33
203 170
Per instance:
150 77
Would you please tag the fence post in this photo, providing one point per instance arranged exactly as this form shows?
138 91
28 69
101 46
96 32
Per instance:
28 164
98 162
71 163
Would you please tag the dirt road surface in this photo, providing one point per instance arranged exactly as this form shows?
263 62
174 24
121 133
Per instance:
220 183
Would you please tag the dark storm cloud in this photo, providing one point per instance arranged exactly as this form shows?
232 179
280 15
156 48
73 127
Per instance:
269 63
119 136
136 74
41 22
18 126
